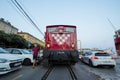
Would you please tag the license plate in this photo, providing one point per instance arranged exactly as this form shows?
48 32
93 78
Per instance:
17 64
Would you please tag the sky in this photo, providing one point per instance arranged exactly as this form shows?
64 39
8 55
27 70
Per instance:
90 17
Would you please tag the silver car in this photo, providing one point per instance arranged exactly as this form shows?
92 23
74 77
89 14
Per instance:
26 56
96 58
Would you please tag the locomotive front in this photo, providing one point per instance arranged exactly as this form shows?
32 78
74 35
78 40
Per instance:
61 44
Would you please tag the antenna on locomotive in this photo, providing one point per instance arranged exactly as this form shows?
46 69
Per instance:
111 24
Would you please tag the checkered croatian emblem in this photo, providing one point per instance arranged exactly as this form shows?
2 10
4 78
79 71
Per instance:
60 38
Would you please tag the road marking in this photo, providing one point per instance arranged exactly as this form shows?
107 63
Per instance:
17 77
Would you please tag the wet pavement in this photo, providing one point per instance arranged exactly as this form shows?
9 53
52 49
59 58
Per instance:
106 73
60 72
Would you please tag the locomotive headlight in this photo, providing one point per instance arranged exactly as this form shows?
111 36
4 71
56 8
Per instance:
72 45
48 45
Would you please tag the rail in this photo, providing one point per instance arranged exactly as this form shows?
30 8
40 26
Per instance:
47 73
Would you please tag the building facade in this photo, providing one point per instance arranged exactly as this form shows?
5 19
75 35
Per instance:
7 27
30 38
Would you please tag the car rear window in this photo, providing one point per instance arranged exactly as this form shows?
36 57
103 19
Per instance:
102 54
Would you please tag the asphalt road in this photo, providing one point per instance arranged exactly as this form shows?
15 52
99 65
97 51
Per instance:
60 72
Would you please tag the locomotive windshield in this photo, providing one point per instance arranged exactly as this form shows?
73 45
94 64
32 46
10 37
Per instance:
51 29
69 29
66 29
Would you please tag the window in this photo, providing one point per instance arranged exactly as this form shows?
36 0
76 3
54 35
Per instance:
9 50
69 29
102 54
51 29
2 51
16 52
26 51
89 53
10 30
4 27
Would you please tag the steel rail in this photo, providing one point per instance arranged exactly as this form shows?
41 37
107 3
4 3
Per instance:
74 77
45 76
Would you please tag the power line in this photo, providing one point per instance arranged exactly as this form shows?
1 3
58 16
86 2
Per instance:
21 14
21 11
29 17
26 15
27 11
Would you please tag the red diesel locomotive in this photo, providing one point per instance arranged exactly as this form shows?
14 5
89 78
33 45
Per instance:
61 44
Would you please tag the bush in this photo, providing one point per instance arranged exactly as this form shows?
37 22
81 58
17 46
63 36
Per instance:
12 40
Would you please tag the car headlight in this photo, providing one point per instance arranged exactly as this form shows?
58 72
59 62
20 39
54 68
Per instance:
3 60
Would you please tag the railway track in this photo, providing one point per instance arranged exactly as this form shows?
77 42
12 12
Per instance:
47 73
73 76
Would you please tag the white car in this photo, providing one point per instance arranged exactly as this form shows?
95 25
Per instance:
26 55
96 58
9 62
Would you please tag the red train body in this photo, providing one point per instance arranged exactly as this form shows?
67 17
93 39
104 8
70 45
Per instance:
57 38
61 43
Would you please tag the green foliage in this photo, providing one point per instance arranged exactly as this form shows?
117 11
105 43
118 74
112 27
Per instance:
12 40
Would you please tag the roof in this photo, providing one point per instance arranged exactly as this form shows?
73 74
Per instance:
60 26
7 23
30 35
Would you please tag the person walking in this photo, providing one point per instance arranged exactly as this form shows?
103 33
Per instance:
35 50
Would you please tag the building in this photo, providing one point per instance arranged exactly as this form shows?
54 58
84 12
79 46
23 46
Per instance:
86 49
31 39
7 27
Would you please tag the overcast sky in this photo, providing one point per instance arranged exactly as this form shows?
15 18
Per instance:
90 17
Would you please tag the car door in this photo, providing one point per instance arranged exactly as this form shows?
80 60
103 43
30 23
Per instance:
17 53
85 57
88 57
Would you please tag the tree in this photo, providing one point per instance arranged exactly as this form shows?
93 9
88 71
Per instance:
12 40
18 41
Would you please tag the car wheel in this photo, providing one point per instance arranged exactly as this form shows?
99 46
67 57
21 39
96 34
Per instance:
90 63
27 62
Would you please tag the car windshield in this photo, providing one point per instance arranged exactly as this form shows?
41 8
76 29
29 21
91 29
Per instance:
9 50
25 51
102 54
2 51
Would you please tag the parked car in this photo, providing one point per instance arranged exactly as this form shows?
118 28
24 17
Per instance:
114 54
81 55
26 56
9 62
30 50
96 58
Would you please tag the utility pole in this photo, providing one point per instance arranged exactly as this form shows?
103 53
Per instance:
80 45
111 24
